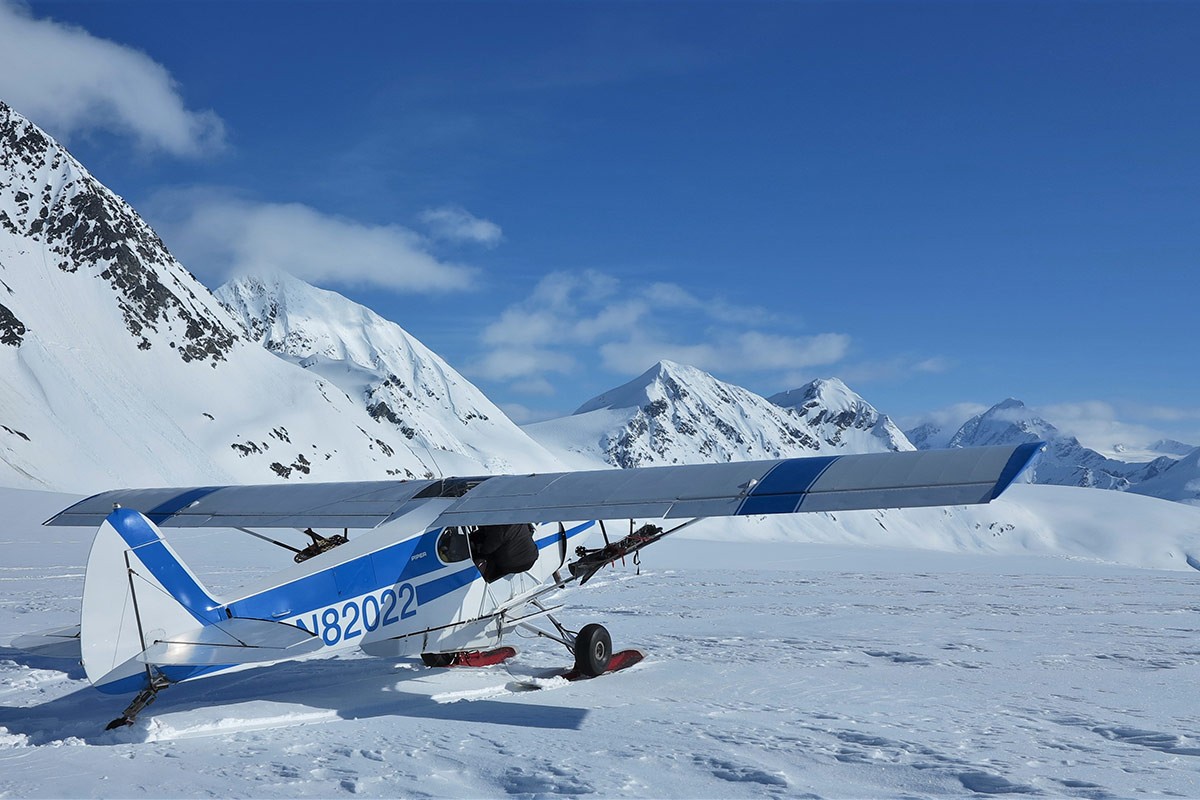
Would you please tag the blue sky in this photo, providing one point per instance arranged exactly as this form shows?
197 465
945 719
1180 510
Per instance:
945 204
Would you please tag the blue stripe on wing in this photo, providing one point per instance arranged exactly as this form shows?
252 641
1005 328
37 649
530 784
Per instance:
781 491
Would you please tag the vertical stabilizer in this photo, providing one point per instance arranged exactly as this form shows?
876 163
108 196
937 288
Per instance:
136 592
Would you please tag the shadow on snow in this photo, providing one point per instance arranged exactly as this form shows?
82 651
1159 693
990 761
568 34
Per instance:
351 688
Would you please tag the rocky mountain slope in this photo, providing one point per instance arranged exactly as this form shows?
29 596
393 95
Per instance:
118 368
398 381
841 418
677 414
1179 482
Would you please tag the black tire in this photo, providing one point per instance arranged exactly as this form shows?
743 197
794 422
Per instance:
593 650
437 659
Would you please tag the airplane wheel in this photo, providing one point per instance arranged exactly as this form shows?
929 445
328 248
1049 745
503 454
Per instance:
593 649
437 659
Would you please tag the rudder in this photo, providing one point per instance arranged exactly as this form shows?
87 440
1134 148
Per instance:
136 591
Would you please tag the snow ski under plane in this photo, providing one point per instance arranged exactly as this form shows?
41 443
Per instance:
443 568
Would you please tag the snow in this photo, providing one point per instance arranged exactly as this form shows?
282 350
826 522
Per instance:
1180 483
396 379
678 414
1065 462
774 668
118 368
1045 643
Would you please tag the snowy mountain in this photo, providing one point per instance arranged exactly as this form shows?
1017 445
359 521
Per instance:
928 436
676 414
1180 481
841 418
396 379
1170 447
118 368
1066 462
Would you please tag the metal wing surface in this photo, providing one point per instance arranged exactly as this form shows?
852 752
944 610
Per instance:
827 483
824 483
359 504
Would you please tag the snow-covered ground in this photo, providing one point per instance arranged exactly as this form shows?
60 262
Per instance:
774 668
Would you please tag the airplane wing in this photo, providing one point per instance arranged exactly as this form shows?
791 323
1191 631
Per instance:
746 488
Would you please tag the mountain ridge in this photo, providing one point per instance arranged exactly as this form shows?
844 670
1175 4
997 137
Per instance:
396 379
676 414
117 367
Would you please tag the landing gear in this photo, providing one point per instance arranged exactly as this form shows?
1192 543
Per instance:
145 697
591 645
592 649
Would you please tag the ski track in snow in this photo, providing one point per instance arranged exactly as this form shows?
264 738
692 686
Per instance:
804 681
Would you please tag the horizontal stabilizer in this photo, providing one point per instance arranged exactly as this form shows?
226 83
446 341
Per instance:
233 641
52 643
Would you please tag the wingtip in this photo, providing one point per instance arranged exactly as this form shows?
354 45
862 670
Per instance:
1022 456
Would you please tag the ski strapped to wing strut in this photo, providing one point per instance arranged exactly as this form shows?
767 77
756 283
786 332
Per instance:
593 560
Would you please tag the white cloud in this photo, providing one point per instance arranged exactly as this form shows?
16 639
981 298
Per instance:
68 81
523 415
216 234
1170 414
892 370
745 352
456 224
948 419
1102 426
510 363
1123 432
571 316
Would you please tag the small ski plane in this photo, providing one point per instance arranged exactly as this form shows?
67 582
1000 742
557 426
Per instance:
441 568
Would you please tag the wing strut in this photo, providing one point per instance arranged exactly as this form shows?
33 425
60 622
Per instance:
268 539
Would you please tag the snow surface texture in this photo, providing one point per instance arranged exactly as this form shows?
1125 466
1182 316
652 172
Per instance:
774 669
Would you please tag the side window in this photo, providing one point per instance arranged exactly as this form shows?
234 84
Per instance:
453 546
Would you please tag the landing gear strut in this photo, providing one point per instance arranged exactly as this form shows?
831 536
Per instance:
145 697
591 645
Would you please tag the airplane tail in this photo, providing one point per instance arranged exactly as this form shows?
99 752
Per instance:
148 620
136 592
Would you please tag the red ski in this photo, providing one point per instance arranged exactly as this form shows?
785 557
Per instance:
474 658
617 662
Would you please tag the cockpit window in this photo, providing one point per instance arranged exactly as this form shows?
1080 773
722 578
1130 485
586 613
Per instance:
452 545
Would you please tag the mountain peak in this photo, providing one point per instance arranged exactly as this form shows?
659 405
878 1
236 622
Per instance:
82 230
399 381
830 404
676 414
664 380
830 392
1007 422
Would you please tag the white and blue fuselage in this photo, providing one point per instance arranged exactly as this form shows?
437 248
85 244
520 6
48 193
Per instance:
387 597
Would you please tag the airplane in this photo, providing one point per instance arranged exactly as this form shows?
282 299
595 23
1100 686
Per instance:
441 568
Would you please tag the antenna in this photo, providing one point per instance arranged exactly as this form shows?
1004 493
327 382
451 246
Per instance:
437 471
433 458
